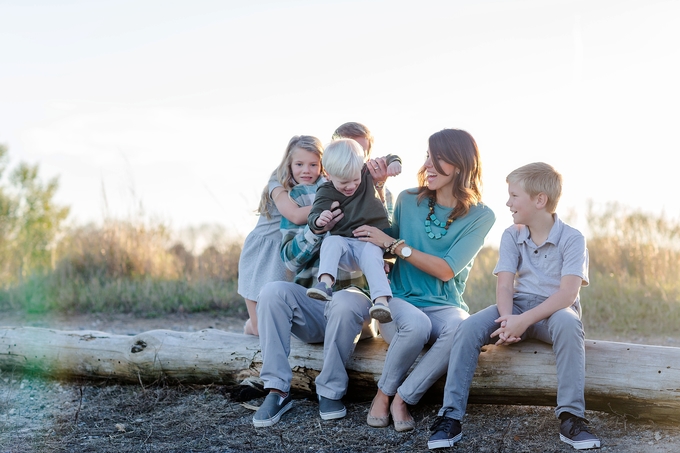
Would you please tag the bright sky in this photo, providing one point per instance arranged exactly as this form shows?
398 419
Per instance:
186 106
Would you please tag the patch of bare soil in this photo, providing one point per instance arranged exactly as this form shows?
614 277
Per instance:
43 415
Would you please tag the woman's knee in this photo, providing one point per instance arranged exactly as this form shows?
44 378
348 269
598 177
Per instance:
413 324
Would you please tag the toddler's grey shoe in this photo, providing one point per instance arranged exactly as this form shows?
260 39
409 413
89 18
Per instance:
331 409
574 431
446 432
380 313
271 410
320 291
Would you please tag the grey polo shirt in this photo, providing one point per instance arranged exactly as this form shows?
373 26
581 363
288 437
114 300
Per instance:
538 269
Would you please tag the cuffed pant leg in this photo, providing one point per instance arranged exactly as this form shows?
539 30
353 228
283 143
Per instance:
284 308
435 361
471 335
408 332
346 317
564 331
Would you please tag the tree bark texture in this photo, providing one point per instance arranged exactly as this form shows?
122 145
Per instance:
639 381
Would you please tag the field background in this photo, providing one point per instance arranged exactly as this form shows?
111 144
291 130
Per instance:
136 265
129 275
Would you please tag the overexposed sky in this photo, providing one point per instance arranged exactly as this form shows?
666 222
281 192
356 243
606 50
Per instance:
186 106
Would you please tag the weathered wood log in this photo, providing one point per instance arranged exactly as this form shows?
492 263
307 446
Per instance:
640 381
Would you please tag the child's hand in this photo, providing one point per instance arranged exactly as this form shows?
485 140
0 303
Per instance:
511 329
324 218
394 169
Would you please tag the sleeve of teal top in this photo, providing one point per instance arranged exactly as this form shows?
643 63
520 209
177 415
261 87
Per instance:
472 240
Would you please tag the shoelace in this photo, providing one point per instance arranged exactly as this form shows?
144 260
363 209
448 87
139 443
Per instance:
442 423
578 426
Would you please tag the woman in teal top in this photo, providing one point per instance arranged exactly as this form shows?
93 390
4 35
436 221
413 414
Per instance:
437 230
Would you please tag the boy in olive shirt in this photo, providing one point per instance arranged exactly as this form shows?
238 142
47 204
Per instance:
351 184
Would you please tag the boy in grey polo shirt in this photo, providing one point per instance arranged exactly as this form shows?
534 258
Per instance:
542 264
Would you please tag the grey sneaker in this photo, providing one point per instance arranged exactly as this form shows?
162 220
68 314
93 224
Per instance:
380 313
574 431
271 410
445 433
331 409
320 291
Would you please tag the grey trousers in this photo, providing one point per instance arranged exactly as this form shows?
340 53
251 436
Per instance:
411 329
284 309
350 254
563 330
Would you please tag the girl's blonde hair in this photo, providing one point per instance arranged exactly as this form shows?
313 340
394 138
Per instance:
457 148
283 172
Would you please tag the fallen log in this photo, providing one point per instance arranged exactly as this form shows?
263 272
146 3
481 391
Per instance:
639 381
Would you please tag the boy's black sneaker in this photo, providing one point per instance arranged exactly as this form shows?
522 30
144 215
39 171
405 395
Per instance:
445 433
574 431
271 410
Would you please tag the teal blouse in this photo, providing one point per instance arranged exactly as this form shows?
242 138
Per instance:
463 240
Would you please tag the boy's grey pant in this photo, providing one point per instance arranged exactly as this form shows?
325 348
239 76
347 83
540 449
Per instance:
411 329
563 330
351 254
283 309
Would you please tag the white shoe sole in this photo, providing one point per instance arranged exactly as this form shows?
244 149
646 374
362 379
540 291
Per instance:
333 415
580 444
443 443
273 420
318 295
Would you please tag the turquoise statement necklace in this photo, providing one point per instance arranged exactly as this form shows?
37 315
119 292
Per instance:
432 219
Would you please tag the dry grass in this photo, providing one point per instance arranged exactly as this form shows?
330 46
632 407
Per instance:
131 268
138 267
634 286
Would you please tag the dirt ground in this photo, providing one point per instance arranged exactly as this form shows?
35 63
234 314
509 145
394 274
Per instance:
44 415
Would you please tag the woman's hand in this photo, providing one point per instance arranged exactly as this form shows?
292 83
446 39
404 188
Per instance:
378 169
367 233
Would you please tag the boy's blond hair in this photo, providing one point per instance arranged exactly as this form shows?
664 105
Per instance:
539 177
343 158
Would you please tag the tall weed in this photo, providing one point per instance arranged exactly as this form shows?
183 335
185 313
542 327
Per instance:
634 274
131 267
138 267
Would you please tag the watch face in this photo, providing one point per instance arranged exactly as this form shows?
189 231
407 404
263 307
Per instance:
406 252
